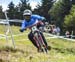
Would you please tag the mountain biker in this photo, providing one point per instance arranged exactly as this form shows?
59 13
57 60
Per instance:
29 20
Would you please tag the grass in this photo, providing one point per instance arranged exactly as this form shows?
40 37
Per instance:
61 50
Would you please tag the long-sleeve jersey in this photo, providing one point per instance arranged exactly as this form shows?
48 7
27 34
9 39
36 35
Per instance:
34 20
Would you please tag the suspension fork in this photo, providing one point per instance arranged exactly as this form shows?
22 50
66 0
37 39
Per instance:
36 41
42 41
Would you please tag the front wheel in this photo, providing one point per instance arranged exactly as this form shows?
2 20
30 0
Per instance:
43 46
40 42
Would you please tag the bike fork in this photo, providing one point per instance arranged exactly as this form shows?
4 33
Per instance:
42 41
36 41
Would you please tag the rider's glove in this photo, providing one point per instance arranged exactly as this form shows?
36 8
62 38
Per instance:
21 30
43 18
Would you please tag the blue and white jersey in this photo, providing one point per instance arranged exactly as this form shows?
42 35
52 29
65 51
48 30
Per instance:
34 20
37 17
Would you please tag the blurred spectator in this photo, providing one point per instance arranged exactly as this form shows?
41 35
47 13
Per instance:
58 31
67 34
54 30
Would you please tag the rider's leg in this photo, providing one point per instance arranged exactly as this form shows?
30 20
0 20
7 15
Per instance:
30 36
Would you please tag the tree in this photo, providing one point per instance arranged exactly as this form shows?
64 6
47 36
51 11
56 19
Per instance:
1 13
17 12
24 5
59 10
73 1
69 22
11 10
21 7
46 5
44 8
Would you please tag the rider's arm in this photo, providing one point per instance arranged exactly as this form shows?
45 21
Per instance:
22 26
40 26
41 23
38 17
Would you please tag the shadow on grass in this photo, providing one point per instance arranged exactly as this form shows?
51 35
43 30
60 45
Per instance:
5 52
10 49
2 60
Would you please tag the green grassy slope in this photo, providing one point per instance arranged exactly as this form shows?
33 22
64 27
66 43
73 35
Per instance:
61 50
